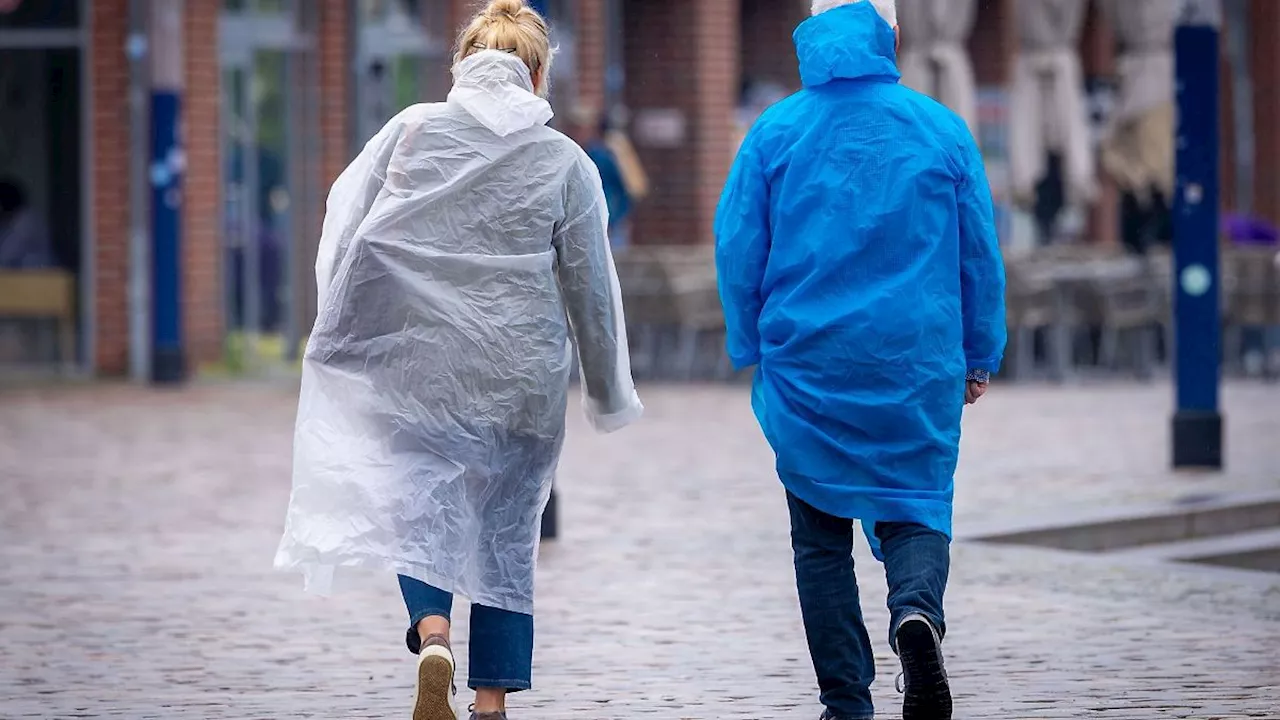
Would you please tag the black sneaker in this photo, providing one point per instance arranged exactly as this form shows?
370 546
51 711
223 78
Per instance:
923 682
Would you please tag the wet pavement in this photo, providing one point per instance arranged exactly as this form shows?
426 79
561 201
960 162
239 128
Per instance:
137 530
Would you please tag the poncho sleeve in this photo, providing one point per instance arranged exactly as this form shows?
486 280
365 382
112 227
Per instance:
742 251
349 201
593 302
982 276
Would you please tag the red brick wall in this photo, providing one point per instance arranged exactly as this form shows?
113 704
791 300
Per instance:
994 41
591 31
109 160
1226 124
684 57
202 305
719 73
767 52
335 95
1265 60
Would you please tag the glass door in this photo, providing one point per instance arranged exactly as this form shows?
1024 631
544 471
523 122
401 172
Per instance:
401 59
45 265
265 136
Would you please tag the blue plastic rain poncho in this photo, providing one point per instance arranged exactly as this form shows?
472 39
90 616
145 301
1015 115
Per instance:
860 270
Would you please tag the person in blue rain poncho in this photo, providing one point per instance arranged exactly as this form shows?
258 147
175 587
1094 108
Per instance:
861 275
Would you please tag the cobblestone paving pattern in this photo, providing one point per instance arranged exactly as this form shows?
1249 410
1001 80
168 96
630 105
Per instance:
137 529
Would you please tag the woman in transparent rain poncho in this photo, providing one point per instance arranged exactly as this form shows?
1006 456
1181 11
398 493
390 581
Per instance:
460 252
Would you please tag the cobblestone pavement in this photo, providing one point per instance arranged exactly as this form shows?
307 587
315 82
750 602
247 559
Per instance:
137 529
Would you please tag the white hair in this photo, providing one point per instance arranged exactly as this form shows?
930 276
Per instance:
888 9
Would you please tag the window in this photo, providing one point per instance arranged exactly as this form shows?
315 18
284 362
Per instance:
39 14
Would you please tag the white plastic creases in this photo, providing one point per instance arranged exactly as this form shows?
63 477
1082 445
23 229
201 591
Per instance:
462 252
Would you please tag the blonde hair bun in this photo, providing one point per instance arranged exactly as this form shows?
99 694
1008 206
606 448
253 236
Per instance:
510 26
509 8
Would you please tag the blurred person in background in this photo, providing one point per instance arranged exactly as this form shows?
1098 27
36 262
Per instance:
24 238
861 275
461 253
624 179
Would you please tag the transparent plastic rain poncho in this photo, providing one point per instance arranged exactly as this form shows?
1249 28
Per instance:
461 252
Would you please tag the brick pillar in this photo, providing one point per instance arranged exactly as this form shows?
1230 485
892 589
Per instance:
682 74
1264 51
202 304
1227 190
460 13
993 45
1098 57
333 47
109 160
767 52
592 34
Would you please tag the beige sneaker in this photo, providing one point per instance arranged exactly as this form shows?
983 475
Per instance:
433 699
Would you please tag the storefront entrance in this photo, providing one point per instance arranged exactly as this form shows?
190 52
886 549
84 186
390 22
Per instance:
42 185
401 58
269 196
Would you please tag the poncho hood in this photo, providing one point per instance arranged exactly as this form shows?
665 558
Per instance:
496 88
847 43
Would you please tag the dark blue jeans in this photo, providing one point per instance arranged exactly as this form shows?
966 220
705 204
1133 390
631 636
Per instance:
916 561
501 646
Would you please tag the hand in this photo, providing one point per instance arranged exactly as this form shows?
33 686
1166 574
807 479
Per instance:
974 390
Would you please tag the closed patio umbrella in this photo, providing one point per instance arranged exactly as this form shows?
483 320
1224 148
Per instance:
934 59
1138 149
1047 107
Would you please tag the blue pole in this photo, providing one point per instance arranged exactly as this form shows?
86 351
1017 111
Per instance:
168 359
1197 422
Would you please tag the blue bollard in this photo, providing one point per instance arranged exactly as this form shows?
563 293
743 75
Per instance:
1197 423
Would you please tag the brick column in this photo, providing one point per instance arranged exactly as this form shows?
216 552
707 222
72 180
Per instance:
592 34
202 304
334 50
109 161
993 46
1264 59
767 52
683 73
327 147
1227 189
460 13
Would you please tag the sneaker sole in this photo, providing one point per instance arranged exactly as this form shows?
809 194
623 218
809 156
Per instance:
434 696
928 694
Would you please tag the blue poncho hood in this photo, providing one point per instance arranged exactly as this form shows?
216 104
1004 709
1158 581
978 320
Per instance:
848 43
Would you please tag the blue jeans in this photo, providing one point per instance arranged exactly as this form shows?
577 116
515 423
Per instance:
917 561
501 647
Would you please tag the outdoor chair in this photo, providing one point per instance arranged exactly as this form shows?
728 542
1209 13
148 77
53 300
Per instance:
1029 308
673 309
43 295
699 314
1127 308
1254 303
649 304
